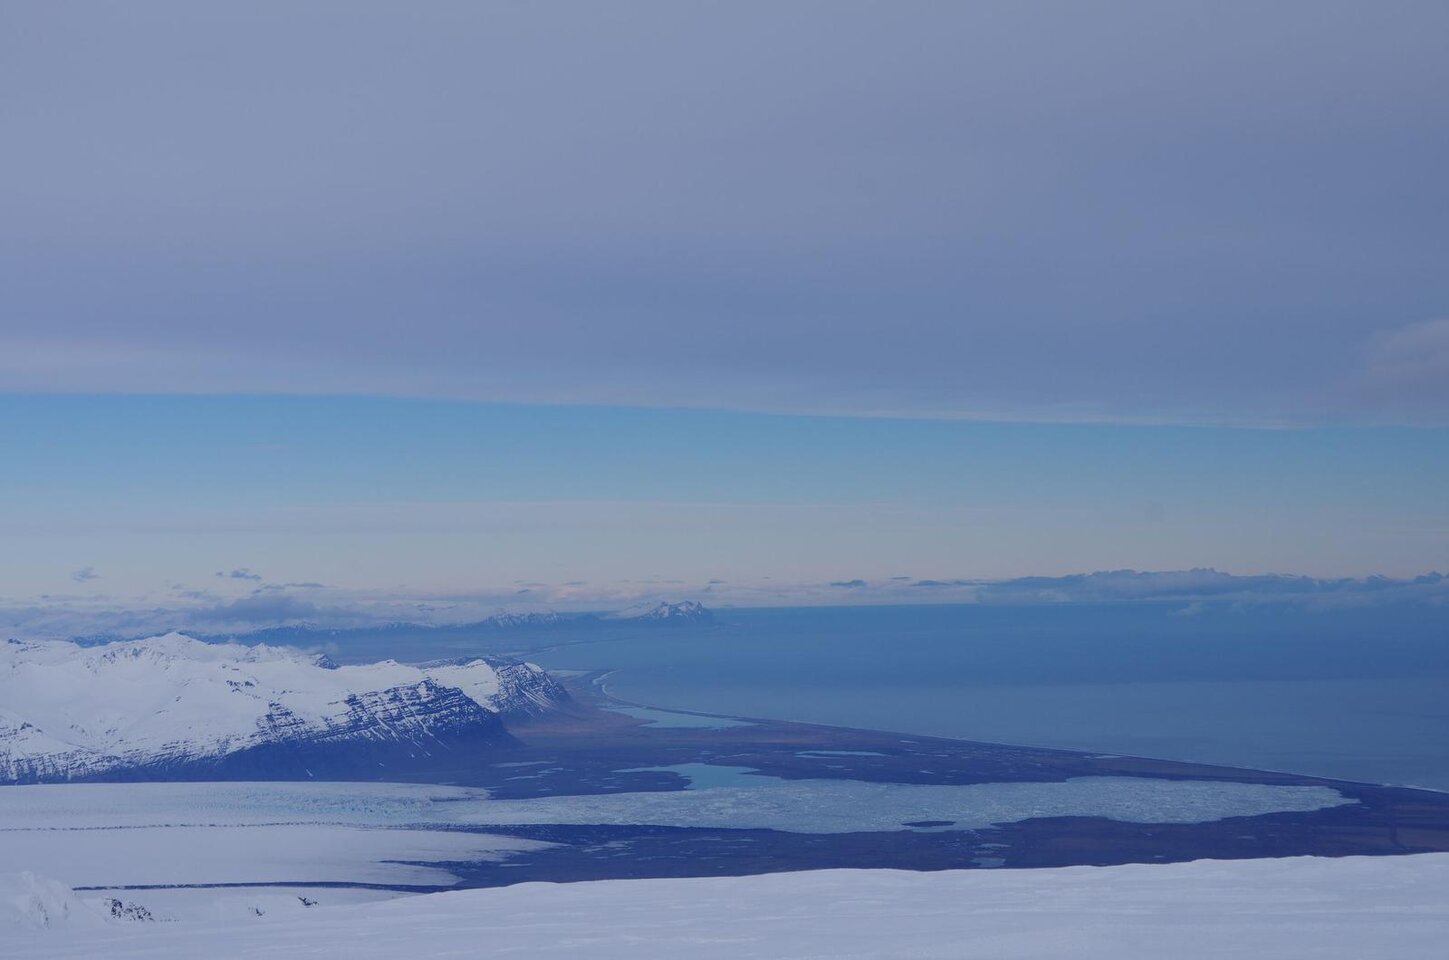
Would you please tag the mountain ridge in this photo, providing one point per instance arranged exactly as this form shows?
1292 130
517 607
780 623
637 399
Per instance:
174 707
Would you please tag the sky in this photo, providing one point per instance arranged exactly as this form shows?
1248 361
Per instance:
457 296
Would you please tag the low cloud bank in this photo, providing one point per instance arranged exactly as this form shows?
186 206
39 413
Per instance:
321 607
1206 583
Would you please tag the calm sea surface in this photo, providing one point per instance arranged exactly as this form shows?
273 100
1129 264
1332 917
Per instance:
1356 694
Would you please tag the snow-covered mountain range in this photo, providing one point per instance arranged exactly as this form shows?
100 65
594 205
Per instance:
172 707
682 612
503 620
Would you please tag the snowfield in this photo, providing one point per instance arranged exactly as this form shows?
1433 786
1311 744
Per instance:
29 901
1295 909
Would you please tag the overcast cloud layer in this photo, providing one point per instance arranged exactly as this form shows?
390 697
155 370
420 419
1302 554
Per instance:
1180 211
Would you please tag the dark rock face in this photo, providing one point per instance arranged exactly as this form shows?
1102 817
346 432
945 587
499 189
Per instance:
524 690
124 910
50 768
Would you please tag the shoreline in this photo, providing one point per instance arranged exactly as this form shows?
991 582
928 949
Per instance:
600 677
599 794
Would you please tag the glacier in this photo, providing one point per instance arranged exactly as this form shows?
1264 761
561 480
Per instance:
120 835
854 806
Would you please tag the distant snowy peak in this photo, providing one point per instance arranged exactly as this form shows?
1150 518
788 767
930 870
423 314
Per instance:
686 611
664 613
173 707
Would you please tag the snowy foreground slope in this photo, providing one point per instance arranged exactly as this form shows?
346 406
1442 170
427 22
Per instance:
172 707
1355 908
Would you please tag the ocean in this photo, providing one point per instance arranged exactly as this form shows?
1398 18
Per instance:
1357 694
